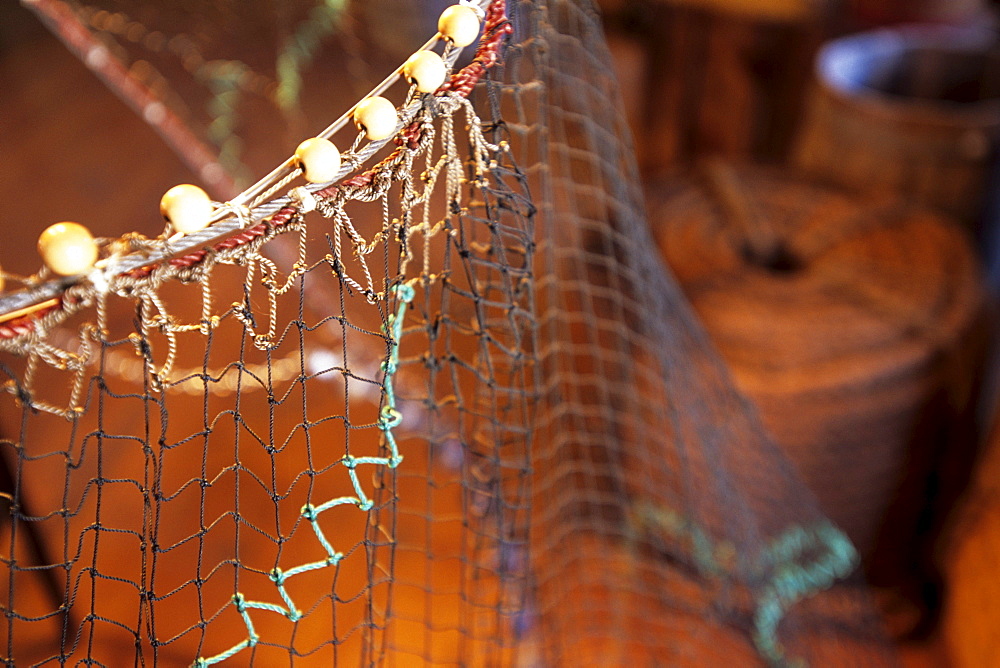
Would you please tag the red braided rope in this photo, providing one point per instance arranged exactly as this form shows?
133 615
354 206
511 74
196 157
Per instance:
26 323
495 31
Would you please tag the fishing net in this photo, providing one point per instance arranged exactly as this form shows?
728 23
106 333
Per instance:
448 407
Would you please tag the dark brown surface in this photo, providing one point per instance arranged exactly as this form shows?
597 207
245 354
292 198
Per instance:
711 82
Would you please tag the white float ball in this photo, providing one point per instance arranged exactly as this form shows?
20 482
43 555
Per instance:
188 208
460 25
376 116
68 249
425 70
319 160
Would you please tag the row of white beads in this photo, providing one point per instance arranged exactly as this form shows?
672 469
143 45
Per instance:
69 249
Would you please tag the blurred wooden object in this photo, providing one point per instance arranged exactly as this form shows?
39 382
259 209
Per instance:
881 12
972 608
722 77
911 111
632 583
855 326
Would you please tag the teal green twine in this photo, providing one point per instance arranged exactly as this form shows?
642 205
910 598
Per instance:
389 419
301 48
788 578
793 580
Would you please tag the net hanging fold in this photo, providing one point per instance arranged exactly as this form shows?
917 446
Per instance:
448 407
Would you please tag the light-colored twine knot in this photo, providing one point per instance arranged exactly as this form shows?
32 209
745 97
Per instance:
304 199
99 280
241 211
476 7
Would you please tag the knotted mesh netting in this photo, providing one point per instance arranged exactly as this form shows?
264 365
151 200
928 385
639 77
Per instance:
449 407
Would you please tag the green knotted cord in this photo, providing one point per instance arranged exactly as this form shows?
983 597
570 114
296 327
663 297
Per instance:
783 568
389 418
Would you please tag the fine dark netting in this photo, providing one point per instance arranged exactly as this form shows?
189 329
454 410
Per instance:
449 408
665 526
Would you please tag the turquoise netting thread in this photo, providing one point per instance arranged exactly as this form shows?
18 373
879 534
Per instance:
792 581
389 419
788 578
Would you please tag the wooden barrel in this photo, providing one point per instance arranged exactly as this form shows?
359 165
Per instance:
854 326
913 111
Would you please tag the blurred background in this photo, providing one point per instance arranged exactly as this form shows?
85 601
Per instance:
822 178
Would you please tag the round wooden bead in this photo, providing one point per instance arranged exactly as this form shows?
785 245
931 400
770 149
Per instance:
426 70
319 160
376 116
68 249
187 207
460 25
